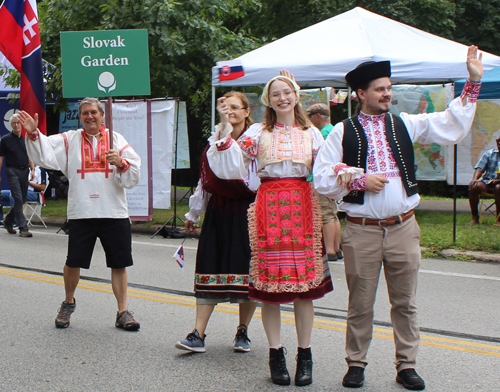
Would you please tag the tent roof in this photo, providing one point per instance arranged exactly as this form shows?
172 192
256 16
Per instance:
490 89
321 55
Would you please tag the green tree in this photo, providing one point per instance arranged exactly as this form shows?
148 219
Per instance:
283 17
186 38
478 23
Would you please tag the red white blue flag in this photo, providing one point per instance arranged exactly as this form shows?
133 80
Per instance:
20 43
179 256
230 70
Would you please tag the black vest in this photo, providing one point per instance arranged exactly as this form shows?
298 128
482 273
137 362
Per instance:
355 150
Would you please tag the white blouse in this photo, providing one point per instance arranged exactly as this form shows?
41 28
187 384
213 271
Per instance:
229 159
445 128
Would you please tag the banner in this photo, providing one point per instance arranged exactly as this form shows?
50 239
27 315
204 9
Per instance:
182 139
130 119
20 43
69 119
163 120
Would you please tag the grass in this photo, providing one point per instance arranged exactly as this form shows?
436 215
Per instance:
437 232
58 208
436 228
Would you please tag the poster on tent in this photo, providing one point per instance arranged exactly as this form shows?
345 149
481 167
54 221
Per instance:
485 130
314 96
132 121
430 160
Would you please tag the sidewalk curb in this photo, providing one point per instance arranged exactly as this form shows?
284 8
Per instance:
137 227
446 253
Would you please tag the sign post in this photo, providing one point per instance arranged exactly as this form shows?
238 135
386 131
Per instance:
109 63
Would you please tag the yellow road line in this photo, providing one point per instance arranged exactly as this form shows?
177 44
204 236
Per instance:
382 333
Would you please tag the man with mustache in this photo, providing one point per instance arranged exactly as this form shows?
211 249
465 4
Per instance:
368 162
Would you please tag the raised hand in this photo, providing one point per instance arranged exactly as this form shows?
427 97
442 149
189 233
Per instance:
29 123
474 63
223 110
288 74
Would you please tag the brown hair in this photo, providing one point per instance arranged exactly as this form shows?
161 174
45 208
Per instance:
246 104
301 117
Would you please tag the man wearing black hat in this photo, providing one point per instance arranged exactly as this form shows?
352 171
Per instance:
368 162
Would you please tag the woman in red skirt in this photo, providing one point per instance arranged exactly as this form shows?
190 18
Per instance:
285 220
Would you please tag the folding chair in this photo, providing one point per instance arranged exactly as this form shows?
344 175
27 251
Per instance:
33 209
487 208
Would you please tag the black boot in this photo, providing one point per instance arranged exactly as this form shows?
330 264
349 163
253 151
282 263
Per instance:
277 365
303 375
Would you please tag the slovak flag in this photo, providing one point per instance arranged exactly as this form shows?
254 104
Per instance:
20 43
230 70
179 256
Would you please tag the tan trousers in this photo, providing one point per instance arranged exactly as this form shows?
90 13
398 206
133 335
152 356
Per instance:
365 249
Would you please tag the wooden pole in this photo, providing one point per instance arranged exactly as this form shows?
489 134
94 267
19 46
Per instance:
109 121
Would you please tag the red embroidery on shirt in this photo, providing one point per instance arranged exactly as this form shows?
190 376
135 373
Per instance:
90 162
471 90
338 167
225 145
66 146
123 149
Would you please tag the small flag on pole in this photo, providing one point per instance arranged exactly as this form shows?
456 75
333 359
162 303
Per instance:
230 70
179 256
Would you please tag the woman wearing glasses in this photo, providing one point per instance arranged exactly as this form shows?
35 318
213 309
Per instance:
223 257
285 221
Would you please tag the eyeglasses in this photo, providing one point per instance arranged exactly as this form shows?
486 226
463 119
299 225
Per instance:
284 93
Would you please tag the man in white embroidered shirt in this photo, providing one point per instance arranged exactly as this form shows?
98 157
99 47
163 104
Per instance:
97 203
367 161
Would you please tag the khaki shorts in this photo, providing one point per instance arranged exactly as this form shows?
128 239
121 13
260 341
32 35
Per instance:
328 209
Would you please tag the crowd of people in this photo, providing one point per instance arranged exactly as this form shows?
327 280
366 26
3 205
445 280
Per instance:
268 191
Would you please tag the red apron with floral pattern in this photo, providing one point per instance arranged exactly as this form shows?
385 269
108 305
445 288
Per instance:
285 236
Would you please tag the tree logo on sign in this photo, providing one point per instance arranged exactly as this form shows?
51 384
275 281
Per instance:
106 82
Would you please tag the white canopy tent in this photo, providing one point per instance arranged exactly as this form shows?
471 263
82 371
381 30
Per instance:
322 54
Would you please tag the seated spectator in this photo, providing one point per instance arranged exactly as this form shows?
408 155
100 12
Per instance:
486 179
36 186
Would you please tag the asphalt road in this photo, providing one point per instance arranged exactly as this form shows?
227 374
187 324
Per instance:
458 312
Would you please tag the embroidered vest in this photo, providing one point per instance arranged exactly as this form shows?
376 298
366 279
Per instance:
355 148
272 146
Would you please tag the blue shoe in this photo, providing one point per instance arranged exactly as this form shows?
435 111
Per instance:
241 341
193 342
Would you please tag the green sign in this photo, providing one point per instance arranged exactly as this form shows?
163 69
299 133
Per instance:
108 63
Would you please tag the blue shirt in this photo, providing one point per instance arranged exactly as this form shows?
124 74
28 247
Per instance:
488 164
